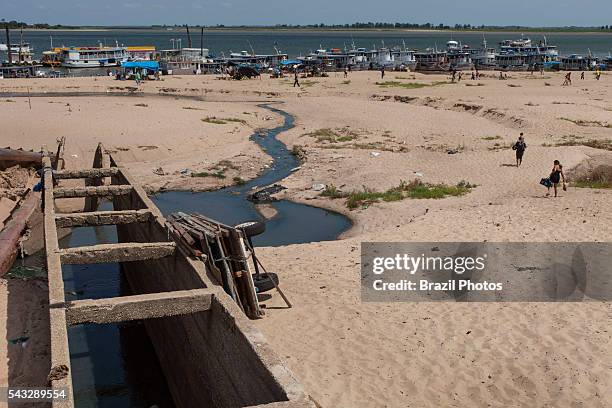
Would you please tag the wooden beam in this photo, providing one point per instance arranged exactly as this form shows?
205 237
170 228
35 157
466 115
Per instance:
123 252
86 219
86 173
95 191
148 306
14 228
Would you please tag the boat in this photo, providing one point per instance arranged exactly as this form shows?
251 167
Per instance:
92 57
521 54
141 52
431 60
483 57
20 53
576 62
607 61
403 58
458 57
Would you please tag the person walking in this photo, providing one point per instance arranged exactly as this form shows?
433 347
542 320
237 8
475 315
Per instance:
556 176
519 147
582 75
296 81
568 79
382 72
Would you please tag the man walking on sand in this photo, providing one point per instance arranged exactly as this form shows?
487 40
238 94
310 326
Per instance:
382 72
568 79
296 81
519 147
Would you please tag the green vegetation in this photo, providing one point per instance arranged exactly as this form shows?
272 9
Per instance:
398 84
327 135
588 123
333 192
239 181
221 121
605 144
8 101
600 177
218 174
415 189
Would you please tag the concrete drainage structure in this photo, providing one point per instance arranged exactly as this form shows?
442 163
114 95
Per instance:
211 354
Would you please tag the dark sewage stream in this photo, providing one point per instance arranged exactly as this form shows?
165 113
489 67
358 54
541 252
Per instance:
115 365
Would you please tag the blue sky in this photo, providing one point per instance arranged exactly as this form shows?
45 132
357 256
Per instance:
255 12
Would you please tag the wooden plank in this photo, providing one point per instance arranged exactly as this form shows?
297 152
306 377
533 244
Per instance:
138 307
14 228
95 218
93 191
123 252
86 173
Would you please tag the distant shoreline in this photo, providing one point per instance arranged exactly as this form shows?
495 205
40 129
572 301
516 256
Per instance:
325 30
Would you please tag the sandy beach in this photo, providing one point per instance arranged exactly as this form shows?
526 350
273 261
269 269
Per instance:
364 132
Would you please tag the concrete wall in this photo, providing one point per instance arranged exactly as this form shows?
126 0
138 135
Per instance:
215 358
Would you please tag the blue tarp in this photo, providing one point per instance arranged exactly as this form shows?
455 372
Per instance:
290 62
148 65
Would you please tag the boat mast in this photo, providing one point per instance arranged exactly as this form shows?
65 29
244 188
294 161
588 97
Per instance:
202 42
8 44
188 36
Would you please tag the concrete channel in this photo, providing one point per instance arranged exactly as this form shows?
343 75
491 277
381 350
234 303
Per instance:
211 354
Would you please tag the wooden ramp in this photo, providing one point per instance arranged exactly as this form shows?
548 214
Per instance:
226 361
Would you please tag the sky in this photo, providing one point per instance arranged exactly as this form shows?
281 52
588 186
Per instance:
269 12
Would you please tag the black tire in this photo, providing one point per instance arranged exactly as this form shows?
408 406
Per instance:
252 228
263 283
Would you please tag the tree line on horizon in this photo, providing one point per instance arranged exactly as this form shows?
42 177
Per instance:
357 26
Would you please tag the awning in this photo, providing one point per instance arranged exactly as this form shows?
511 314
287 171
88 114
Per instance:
290 62
148 65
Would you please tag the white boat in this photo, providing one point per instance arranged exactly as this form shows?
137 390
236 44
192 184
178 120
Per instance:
483 57
92 57
20 53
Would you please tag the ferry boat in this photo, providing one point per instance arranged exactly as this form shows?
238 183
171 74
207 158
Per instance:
20 53
431 60
91 57
576 62
482 58
403 58
260 61
522 54
458 58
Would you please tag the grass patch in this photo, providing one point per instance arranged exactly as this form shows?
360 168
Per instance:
239 181
588 123
514 85
600 177
496 137
8 101
605 144
327 135
398 84
333 192
218 174
415 189
222 121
